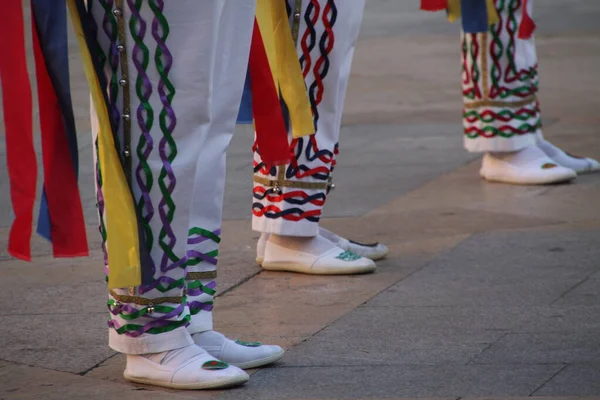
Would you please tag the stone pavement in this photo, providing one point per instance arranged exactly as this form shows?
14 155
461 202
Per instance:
490 290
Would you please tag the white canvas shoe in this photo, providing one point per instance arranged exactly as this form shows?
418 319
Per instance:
189 368
243 355
373 251
332 261
530 166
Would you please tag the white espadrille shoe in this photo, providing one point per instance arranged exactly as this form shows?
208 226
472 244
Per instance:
530 166
322 258
374 251
190 368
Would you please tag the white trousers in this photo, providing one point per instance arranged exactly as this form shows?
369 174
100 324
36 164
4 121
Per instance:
182 67
327 34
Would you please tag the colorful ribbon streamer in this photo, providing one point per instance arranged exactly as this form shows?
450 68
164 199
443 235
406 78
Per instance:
434 5
275 87
61 213
271 134
277 36
18 122
121 220
527 25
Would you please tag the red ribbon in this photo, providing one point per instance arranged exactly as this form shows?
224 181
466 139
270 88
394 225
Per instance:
527 25
434 5
64 203
271 133
18 122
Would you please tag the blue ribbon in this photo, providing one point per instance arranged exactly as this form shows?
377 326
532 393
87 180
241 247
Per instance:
245 113
51 22
474 16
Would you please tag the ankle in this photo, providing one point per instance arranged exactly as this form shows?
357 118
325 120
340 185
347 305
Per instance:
503 155
284 240
307 244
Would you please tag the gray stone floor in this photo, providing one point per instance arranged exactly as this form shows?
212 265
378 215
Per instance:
490 291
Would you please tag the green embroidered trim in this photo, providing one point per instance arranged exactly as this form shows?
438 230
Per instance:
167 121
145 119
205 233
197 260
519 130
154 331
348 256
215 365
502 116
248 344
177 284
198 285
468 47
501 54
194 311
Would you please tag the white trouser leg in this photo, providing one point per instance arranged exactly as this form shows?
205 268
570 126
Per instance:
326 41
499 79
206 211
179 131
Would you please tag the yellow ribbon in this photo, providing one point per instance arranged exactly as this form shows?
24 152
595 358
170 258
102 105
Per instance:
492 12
277 37
121 222
453 10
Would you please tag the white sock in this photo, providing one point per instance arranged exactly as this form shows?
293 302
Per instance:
332 237
522 157
312 245
177 356
548 148
210 340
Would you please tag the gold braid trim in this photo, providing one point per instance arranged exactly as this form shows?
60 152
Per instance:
502 104
291 184
194 276
484 66
142 301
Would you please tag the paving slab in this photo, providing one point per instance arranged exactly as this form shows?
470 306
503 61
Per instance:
398 381
508 268
575 378
21 382
401 335
63 342
540 348
585 294
450 320
559 203
361 346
